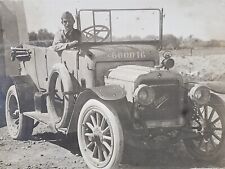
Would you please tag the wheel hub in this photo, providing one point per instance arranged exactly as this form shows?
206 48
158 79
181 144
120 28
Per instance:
208 131
16 113
98 136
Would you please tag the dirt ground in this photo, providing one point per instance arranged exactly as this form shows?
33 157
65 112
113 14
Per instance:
46 150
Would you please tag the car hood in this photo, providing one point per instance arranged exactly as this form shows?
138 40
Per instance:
139 73
130 76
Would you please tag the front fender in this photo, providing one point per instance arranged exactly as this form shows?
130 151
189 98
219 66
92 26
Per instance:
215 86
109 92
117 100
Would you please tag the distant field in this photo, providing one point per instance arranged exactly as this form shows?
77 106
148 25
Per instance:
203 64
200 51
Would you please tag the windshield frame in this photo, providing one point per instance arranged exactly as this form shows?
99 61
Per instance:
157 43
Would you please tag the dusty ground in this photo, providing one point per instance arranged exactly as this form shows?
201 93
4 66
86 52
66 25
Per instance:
47 150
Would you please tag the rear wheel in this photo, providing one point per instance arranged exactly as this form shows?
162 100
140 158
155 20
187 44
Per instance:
208 122
19 126
60 102
100 135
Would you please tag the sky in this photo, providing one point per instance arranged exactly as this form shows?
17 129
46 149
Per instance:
204 19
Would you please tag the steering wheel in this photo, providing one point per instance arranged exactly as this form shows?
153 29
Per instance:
96 33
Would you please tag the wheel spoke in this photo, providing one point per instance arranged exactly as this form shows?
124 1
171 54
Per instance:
216 136
90 126
217 128
107 146
16 121
199 112
100 154
206 147
93 120
216 120
106 130
104 151
206 112
103 123
90 135
195 128
90 144
98 119
107 138
95 151
211 114
212 142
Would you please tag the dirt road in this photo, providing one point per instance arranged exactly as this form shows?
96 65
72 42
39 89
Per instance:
46 150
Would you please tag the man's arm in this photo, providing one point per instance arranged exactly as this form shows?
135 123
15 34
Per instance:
58 43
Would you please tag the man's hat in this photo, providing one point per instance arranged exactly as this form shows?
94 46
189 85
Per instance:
67 15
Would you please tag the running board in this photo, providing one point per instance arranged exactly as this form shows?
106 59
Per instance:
42 117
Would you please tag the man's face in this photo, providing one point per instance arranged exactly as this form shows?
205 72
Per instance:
67 23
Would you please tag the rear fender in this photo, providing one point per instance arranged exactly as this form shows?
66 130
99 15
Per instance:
118 102
26 89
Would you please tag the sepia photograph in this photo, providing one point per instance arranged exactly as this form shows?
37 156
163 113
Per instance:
112 84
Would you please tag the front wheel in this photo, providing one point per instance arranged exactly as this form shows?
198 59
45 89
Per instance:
20 127
100 135
208 122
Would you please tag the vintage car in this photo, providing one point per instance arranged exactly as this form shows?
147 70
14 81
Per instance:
113 90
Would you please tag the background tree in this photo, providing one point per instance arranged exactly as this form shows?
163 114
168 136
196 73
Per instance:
32 36
43 34
170 42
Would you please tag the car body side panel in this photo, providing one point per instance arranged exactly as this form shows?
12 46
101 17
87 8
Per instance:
41 66
85 73
29 68
69 58
52 58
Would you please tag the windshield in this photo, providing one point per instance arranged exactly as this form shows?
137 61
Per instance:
116 25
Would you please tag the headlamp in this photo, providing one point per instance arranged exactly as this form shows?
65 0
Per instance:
199 94
144 94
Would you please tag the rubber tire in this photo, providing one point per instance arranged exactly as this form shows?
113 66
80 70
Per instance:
25 126
111 115
63 73
215 157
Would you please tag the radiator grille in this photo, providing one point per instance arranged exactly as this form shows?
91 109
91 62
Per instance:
168 102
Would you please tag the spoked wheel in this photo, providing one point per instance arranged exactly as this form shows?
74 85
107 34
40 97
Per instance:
208 122
19 126
100 135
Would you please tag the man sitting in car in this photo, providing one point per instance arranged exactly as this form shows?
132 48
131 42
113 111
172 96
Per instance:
68 37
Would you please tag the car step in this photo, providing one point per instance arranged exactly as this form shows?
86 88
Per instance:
42 117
